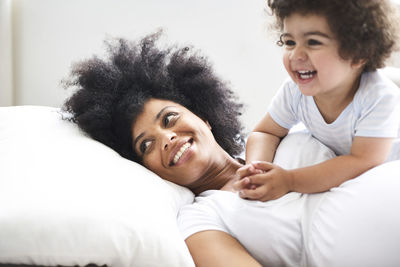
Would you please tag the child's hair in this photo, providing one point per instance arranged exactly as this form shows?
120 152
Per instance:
366 29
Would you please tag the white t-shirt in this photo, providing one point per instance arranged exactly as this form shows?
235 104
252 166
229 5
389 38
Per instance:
270 231
374 112
355 224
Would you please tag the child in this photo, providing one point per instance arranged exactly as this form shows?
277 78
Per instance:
332 49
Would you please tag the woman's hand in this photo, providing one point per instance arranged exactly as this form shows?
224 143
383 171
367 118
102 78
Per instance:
263 181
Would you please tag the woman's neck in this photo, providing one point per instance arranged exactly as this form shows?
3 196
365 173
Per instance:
220 176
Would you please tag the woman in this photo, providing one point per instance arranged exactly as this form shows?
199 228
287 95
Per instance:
166 109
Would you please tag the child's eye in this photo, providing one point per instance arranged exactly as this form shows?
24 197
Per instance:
289 43
285 42
168 118
313 42
144 146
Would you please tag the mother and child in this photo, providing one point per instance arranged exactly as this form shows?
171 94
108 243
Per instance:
166 109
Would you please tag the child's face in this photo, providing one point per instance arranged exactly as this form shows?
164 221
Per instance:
312 58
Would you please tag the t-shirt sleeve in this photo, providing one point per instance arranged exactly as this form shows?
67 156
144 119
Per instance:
284 105
380 113
198 217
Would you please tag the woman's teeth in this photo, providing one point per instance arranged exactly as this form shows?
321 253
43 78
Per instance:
306 74
179 154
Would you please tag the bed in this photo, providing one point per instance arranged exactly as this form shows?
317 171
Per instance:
67 200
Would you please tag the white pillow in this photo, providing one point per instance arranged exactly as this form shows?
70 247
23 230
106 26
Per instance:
66 199
301 149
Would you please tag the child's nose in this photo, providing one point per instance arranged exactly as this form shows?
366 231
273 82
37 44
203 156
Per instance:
298 53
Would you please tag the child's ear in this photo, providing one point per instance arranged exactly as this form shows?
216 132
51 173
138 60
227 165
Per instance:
359 64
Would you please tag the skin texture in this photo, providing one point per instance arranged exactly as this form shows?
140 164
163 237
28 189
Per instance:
310 46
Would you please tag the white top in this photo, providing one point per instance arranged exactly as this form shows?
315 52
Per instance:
374 112
355 224
271 230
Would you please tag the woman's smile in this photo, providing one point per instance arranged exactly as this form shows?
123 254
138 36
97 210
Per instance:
181 153
173 142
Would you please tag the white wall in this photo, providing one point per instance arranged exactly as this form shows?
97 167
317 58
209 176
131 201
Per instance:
6 86
48 35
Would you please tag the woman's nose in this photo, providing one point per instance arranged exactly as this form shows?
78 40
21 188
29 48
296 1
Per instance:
168 138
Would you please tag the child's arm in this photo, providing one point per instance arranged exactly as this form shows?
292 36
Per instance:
274 182
365 154
262 142
261 145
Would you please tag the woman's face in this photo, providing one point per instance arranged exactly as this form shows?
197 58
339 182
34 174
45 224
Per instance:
173 142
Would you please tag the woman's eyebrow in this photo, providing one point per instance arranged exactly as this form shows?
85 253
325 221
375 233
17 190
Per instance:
161 112
137 139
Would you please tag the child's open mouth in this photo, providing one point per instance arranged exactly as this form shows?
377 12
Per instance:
306 74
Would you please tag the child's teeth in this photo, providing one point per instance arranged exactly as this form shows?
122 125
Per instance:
306 74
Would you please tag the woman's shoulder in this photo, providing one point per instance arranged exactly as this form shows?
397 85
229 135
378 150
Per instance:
209 200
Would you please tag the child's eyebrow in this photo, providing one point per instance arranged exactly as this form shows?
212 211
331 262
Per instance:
317 33
286 34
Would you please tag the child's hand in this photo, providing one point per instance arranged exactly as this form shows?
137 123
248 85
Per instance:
263 181
244 181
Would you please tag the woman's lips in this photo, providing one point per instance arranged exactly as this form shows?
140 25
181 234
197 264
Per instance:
180 151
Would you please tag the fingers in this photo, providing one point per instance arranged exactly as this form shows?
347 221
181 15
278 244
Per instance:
254 167
258 179
268 186
258 193
263 165
247 170
252 179
241 184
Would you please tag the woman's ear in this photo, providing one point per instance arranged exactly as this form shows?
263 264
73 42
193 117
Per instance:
208 124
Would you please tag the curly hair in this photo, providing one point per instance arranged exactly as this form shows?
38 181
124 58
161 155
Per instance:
111 92
366 29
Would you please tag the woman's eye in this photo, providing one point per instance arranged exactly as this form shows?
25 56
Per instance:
144 146
168 118
313 42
